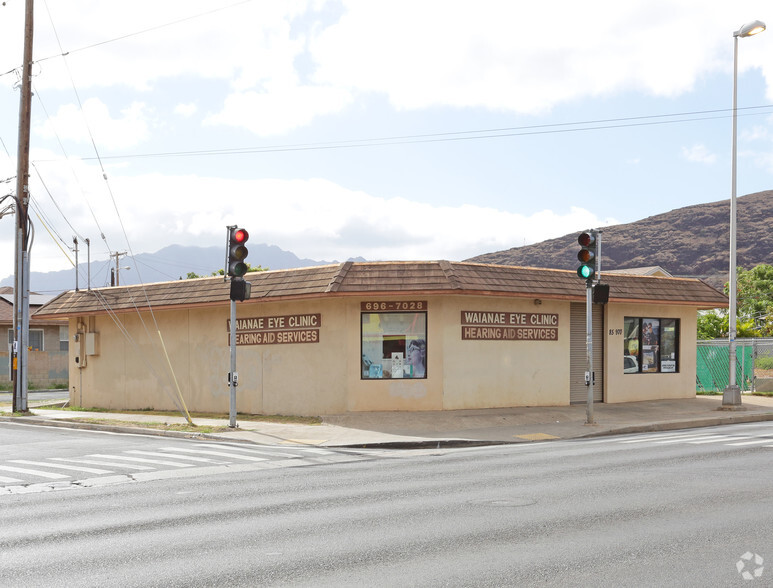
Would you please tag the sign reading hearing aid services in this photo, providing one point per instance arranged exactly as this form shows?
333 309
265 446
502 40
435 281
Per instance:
509 326
268 330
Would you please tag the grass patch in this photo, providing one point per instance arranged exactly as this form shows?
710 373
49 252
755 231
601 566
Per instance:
263 418
185 427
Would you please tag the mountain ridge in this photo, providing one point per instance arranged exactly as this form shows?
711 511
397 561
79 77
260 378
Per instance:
169 263
691 241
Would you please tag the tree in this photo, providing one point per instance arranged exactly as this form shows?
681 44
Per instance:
755 297
220 272
754 309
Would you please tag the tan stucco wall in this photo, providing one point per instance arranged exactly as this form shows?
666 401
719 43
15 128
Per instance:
487 374
621 387
302 379
325 377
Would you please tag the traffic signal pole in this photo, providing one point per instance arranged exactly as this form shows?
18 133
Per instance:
232 372
589 257
589 349
235 268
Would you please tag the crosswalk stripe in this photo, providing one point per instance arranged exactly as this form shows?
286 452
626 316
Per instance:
62 467
219 453
164 454
104 463
48 475
231 447
653 438
755 442
144 460
716 439
9 480
683 439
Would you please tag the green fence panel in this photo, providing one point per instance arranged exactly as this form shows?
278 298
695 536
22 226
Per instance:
713 365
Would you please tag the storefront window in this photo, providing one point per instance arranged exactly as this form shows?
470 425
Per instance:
650 345
394 345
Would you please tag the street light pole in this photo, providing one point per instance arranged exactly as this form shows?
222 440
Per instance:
731 396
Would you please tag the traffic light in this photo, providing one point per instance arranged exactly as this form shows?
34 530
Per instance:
237 252
587 255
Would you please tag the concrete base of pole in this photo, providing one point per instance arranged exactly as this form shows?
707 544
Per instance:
731 398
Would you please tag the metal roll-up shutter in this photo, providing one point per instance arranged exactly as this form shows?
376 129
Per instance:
578 392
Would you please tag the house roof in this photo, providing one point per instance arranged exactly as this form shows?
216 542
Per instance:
652 270
387 279
36 301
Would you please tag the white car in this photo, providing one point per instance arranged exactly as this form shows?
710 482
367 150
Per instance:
630 364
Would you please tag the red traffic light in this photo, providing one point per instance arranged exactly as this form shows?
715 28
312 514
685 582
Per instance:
586 239
240 236
237 252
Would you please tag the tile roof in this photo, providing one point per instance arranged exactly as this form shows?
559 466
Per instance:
386 278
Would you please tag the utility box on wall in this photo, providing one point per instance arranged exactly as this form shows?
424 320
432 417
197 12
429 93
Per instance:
92 343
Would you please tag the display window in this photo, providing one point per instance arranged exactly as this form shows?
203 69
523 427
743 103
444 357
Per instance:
650 345
394 345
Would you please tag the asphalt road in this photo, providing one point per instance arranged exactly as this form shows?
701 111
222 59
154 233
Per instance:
36 396
686 508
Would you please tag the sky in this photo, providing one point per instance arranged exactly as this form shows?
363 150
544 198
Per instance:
389 130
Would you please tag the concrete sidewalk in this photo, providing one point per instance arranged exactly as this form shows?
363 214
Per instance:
457 427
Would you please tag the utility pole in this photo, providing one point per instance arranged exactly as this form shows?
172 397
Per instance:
75 242
117 256
21 297
88 263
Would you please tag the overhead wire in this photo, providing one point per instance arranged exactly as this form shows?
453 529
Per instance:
120 219
469 135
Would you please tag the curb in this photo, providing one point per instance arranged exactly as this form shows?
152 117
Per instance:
730 419
733 419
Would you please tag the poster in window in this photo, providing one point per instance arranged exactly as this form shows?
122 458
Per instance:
396 342
650 356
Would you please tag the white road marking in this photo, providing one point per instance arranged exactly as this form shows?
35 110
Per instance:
103 463
716 439
232 447
164 454
755 442
218 453
9 480
144 460
62 467
48 475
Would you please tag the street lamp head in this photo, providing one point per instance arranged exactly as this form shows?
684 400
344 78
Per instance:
750 28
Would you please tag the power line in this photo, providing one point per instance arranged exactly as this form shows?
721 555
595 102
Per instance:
470 135
140 32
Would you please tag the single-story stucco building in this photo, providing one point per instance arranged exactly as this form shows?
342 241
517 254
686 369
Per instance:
383 336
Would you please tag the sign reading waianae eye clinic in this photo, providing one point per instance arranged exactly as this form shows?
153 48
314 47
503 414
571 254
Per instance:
268 330
509 326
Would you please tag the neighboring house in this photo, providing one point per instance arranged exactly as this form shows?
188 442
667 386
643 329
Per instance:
653 270
48 343
378 336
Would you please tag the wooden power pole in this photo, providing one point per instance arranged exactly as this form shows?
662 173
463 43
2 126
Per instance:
21 300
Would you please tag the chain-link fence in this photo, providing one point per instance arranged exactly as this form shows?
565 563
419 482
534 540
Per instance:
754 365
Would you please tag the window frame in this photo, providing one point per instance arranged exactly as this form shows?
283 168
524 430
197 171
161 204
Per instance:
642 322
29 340
407 344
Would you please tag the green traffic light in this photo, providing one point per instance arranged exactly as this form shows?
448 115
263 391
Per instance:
585 271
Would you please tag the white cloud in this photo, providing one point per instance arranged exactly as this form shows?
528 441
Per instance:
286 56
699 154
69 123
186 110
524 57
314 218
278 111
